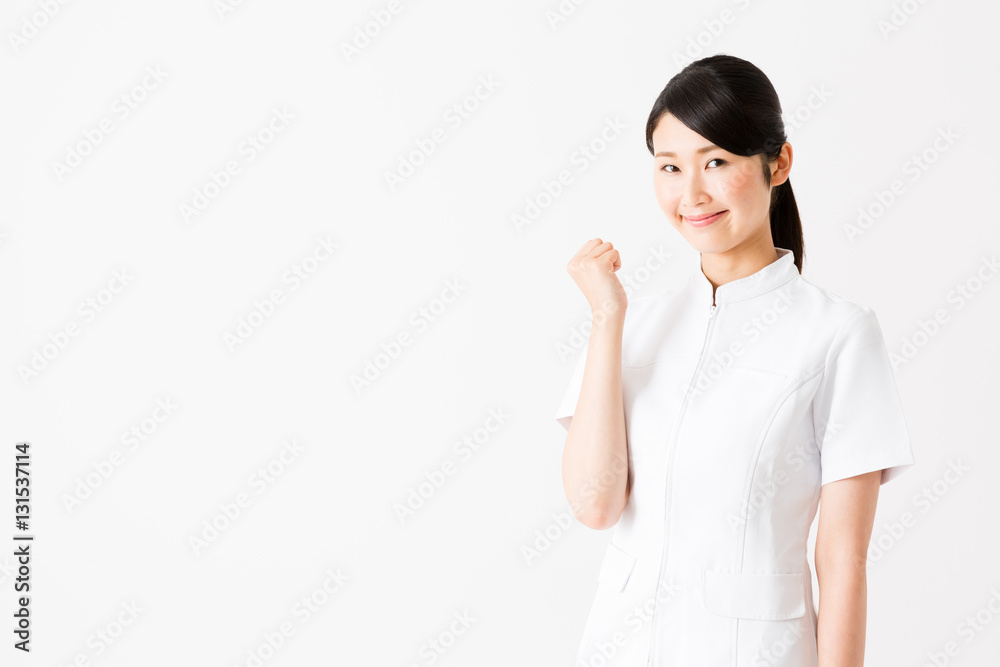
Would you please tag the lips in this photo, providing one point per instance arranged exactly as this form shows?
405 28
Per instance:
704 220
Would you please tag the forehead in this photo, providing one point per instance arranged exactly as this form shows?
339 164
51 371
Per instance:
670 134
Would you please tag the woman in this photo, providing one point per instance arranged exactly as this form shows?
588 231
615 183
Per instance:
708 423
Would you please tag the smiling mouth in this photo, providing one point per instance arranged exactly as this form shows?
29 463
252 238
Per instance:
704 220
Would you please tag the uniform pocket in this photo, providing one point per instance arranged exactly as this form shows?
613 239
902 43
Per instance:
616 568
765 597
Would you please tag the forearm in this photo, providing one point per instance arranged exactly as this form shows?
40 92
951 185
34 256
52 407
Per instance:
842 614
595 457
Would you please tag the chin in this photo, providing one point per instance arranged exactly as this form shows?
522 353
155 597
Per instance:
707 243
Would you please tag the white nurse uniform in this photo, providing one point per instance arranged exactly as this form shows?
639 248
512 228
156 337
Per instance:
736 414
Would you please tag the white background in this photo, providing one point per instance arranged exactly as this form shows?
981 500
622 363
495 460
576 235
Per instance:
860 105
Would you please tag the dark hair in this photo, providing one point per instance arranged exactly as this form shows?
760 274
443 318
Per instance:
730 102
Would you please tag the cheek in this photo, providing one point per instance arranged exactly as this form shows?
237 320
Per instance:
737 188
667 195
740 182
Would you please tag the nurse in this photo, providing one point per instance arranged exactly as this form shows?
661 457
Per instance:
708 424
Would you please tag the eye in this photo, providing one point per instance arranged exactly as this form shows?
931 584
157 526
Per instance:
672 167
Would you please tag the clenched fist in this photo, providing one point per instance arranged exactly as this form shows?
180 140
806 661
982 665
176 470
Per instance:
593 270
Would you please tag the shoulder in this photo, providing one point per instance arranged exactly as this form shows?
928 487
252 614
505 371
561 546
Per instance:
832 309
839 318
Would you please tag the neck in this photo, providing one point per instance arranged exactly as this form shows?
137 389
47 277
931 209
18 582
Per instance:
721 268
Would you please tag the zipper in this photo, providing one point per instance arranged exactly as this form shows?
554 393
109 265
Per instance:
669 487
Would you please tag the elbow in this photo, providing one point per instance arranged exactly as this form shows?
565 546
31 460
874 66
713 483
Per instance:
594 501
599 516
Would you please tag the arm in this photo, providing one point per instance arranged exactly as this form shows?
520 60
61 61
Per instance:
847 512
595 457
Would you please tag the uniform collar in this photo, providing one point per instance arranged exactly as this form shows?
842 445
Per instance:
771 277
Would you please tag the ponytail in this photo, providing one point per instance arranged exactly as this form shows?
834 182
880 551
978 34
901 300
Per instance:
786 226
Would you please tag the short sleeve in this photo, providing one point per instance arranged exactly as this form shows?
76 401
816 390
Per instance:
857 414
564 415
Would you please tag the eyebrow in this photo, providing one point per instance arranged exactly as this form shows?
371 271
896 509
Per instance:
703 149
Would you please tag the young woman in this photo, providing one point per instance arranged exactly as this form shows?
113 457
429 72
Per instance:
707 424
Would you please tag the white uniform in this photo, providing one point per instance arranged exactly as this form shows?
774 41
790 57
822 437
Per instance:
735 414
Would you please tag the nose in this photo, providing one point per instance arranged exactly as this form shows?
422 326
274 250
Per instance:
693 192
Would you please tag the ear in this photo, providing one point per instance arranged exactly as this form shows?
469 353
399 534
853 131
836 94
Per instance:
782 167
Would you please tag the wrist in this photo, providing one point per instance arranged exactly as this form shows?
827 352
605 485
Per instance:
608 316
